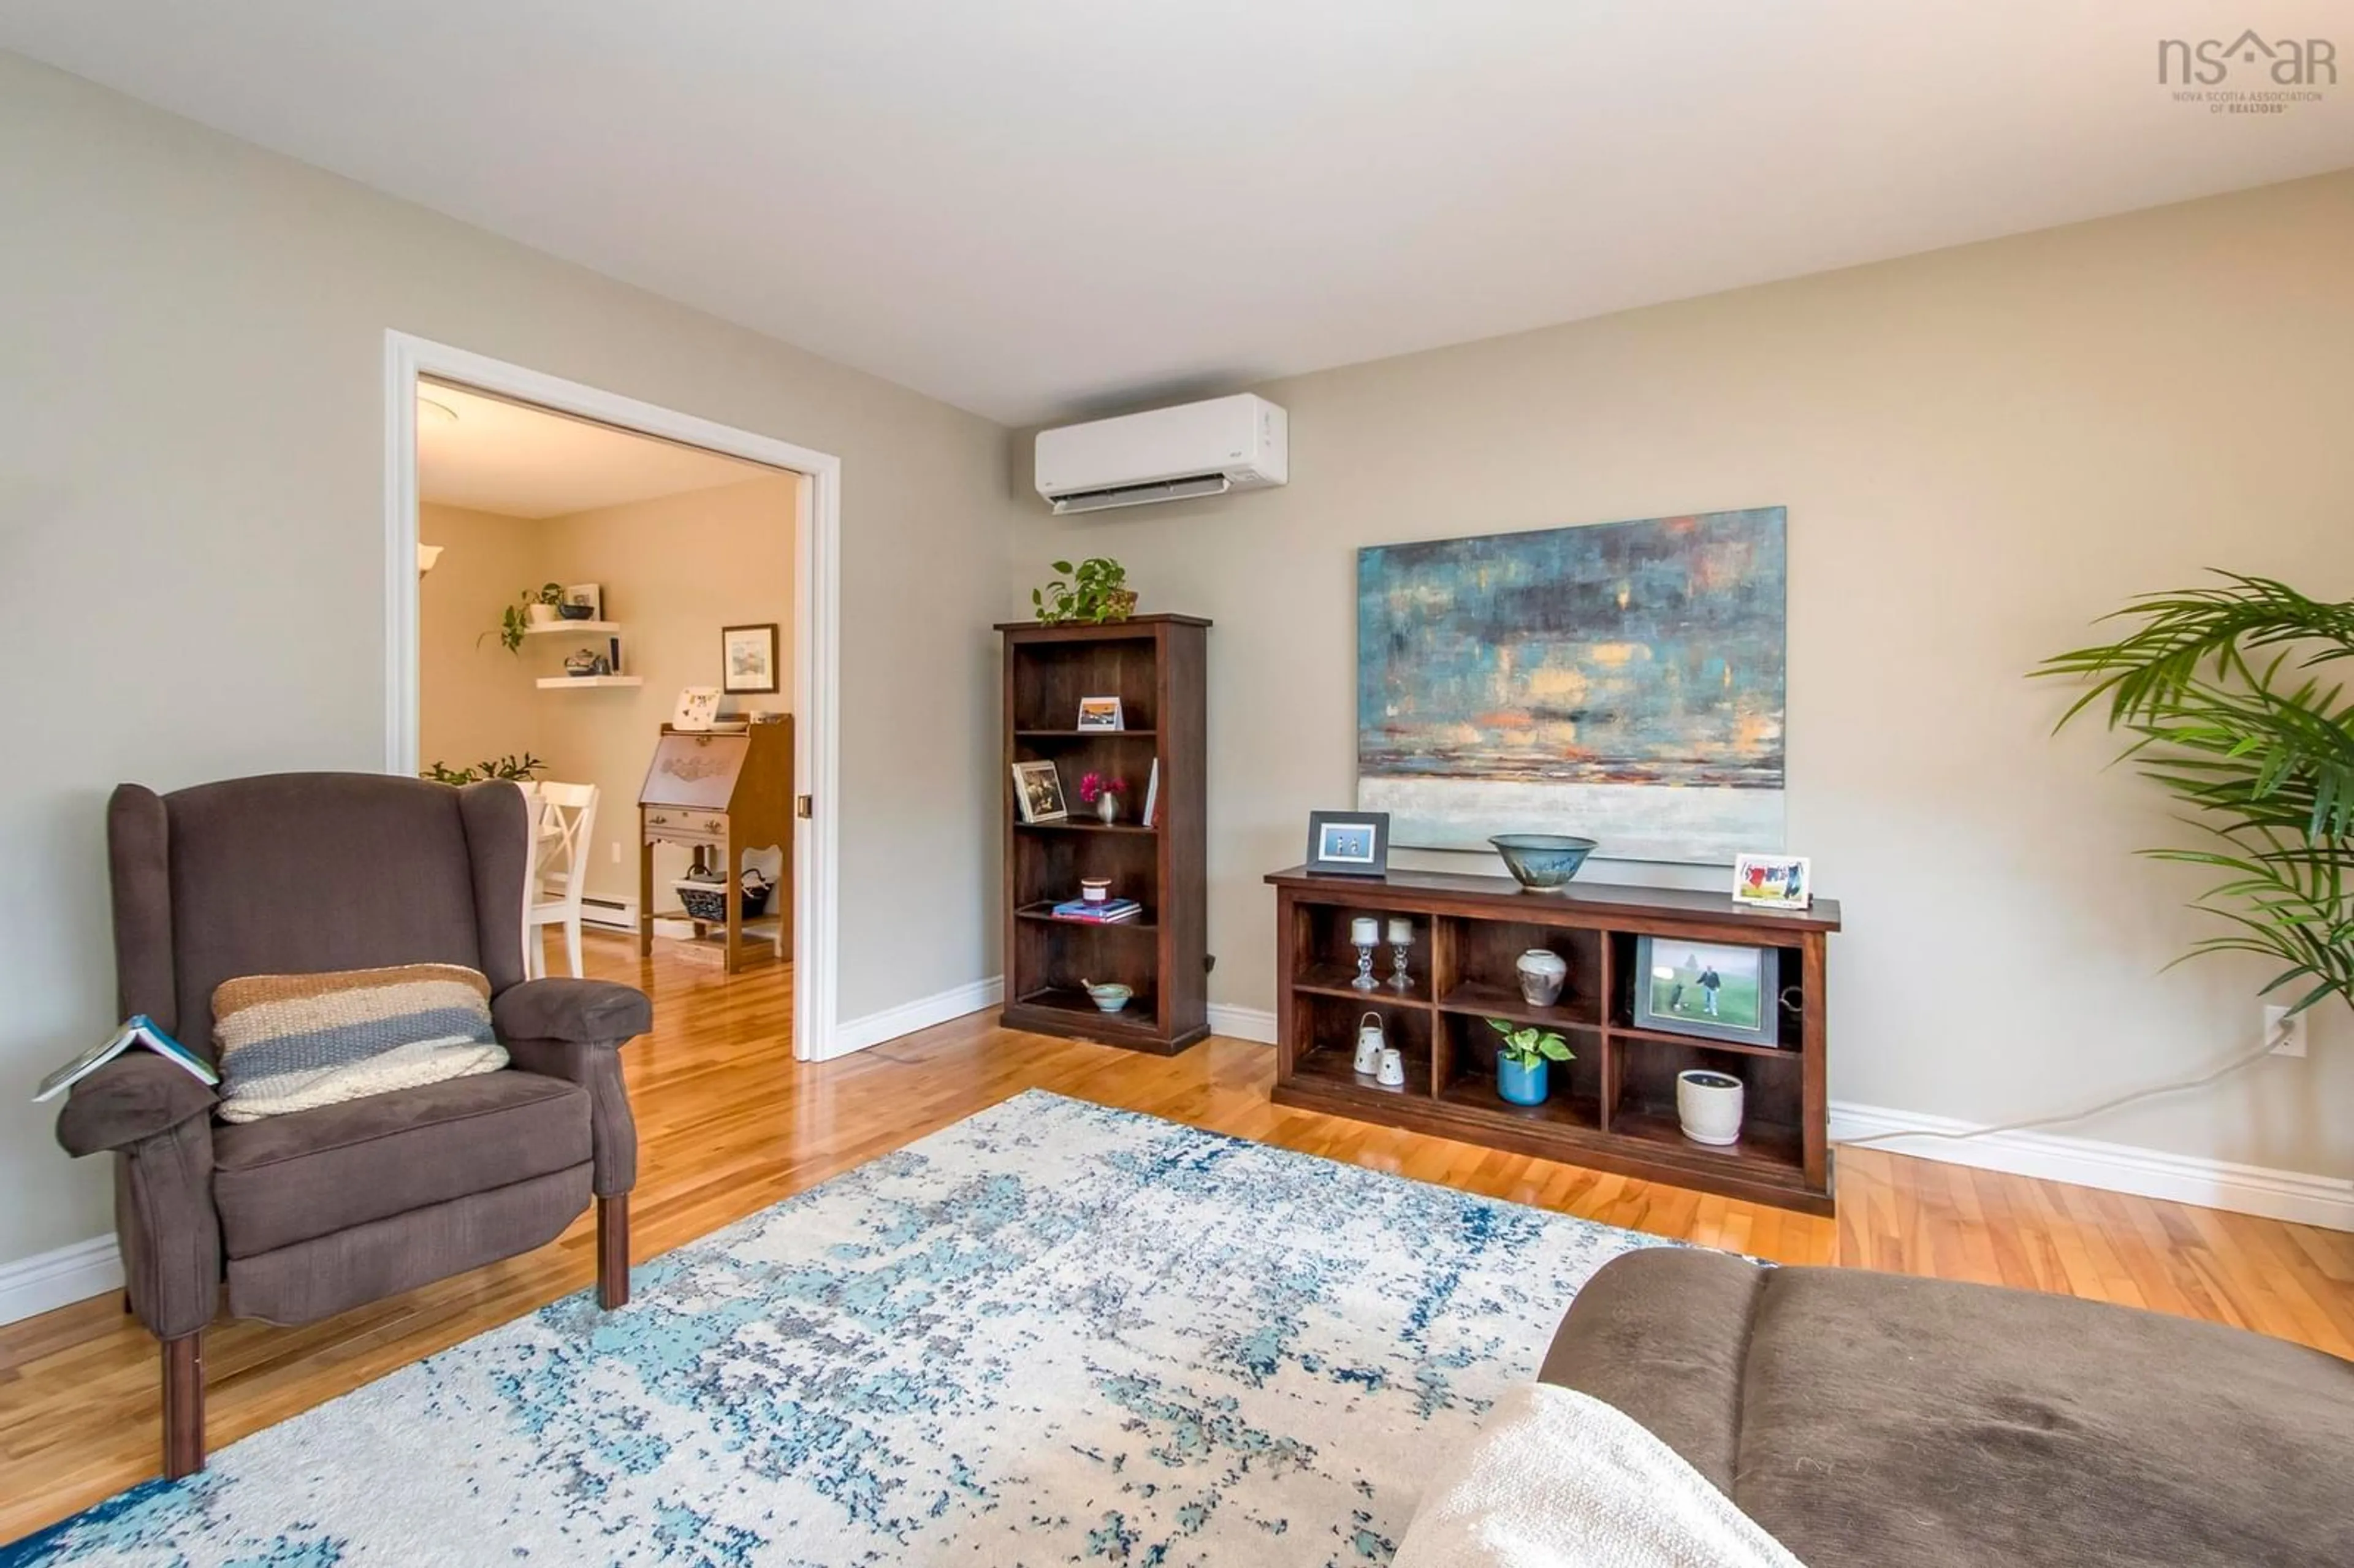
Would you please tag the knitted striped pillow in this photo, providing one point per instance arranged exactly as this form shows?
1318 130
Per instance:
289 1043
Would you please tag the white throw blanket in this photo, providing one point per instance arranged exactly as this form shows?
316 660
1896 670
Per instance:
1559 1480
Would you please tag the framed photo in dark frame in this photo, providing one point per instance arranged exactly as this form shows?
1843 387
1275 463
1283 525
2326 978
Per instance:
1348 844
748 658
1710 991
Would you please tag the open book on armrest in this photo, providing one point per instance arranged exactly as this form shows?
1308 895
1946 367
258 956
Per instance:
139 1030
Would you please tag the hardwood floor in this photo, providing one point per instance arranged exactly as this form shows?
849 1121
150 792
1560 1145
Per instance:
729 1123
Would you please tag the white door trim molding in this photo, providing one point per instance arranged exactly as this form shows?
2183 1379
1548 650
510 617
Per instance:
817 590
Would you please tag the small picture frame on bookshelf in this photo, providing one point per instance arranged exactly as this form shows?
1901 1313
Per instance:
1038 793
1101 713
1773 881
1710 991
1348 844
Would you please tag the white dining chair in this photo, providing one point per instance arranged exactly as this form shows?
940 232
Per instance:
563 818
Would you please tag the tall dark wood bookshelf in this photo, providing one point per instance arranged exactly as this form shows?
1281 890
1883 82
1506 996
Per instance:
1155 665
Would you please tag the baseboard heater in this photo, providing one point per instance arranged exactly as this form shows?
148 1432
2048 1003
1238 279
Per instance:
609 914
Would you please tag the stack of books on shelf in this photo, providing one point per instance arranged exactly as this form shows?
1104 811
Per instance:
1110 912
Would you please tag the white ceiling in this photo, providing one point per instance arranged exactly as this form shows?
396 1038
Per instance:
1034 208
522 462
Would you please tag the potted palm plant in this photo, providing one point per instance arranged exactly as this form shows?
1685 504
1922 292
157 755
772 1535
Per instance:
2218 688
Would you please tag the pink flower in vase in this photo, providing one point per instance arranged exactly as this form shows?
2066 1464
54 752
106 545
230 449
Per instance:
1093 786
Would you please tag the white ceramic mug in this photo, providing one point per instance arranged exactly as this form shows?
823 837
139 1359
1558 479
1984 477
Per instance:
1370 1043
1393 1075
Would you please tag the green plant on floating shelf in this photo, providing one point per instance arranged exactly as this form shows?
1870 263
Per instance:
1530 1047
507 767
2215 687
1095 591
517 616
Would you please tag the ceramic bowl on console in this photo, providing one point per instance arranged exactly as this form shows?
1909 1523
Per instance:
1542 863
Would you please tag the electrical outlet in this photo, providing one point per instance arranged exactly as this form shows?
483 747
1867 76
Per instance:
2287 1032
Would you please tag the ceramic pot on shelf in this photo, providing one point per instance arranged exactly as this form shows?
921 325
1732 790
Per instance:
1371 1042
1107 807
540 614
1543 973
1521 1084
1707 1106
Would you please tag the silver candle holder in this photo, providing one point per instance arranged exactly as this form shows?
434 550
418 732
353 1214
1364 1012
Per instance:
1401 934
1365 935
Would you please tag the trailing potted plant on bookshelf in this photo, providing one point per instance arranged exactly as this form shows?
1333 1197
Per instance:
1520 1058
1095 591
1102 791
533 606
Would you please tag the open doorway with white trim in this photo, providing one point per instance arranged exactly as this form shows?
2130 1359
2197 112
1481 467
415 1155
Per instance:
625 526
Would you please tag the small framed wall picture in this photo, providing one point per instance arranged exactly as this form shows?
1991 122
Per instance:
1348 844
748 658
1773 881
1101 713
1038 792
589 596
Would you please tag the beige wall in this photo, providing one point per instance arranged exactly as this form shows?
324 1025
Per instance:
674 570
473 703
192 541
1981 450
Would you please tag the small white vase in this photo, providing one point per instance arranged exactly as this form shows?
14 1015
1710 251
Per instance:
1708 1105
1543 973
1107 806
541 614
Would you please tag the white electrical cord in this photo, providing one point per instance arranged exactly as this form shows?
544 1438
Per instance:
2226 1070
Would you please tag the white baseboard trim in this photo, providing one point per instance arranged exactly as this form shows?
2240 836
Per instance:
1242 1023
48 1280
2292 1195
858 1034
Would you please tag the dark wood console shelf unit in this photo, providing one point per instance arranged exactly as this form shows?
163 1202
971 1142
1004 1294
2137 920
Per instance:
1155 665
1612 1109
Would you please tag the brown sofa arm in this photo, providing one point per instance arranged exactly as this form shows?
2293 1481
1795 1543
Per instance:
158 1120
572 1028
133 1098
591 1012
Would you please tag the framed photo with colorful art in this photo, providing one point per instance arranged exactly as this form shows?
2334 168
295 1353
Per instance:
1773 881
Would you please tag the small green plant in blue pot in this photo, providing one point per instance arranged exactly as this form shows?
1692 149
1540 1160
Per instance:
1521 1055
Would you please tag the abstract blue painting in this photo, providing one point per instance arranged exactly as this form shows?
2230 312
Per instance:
1624 681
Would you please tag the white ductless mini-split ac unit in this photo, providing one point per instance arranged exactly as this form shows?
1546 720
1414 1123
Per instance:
1167 454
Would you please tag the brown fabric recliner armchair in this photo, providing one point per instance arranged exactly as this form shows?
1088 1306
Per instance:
305 1215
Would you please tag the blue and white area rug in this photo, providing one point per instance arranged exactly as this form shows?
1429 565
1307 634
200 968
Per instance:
1053 1333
